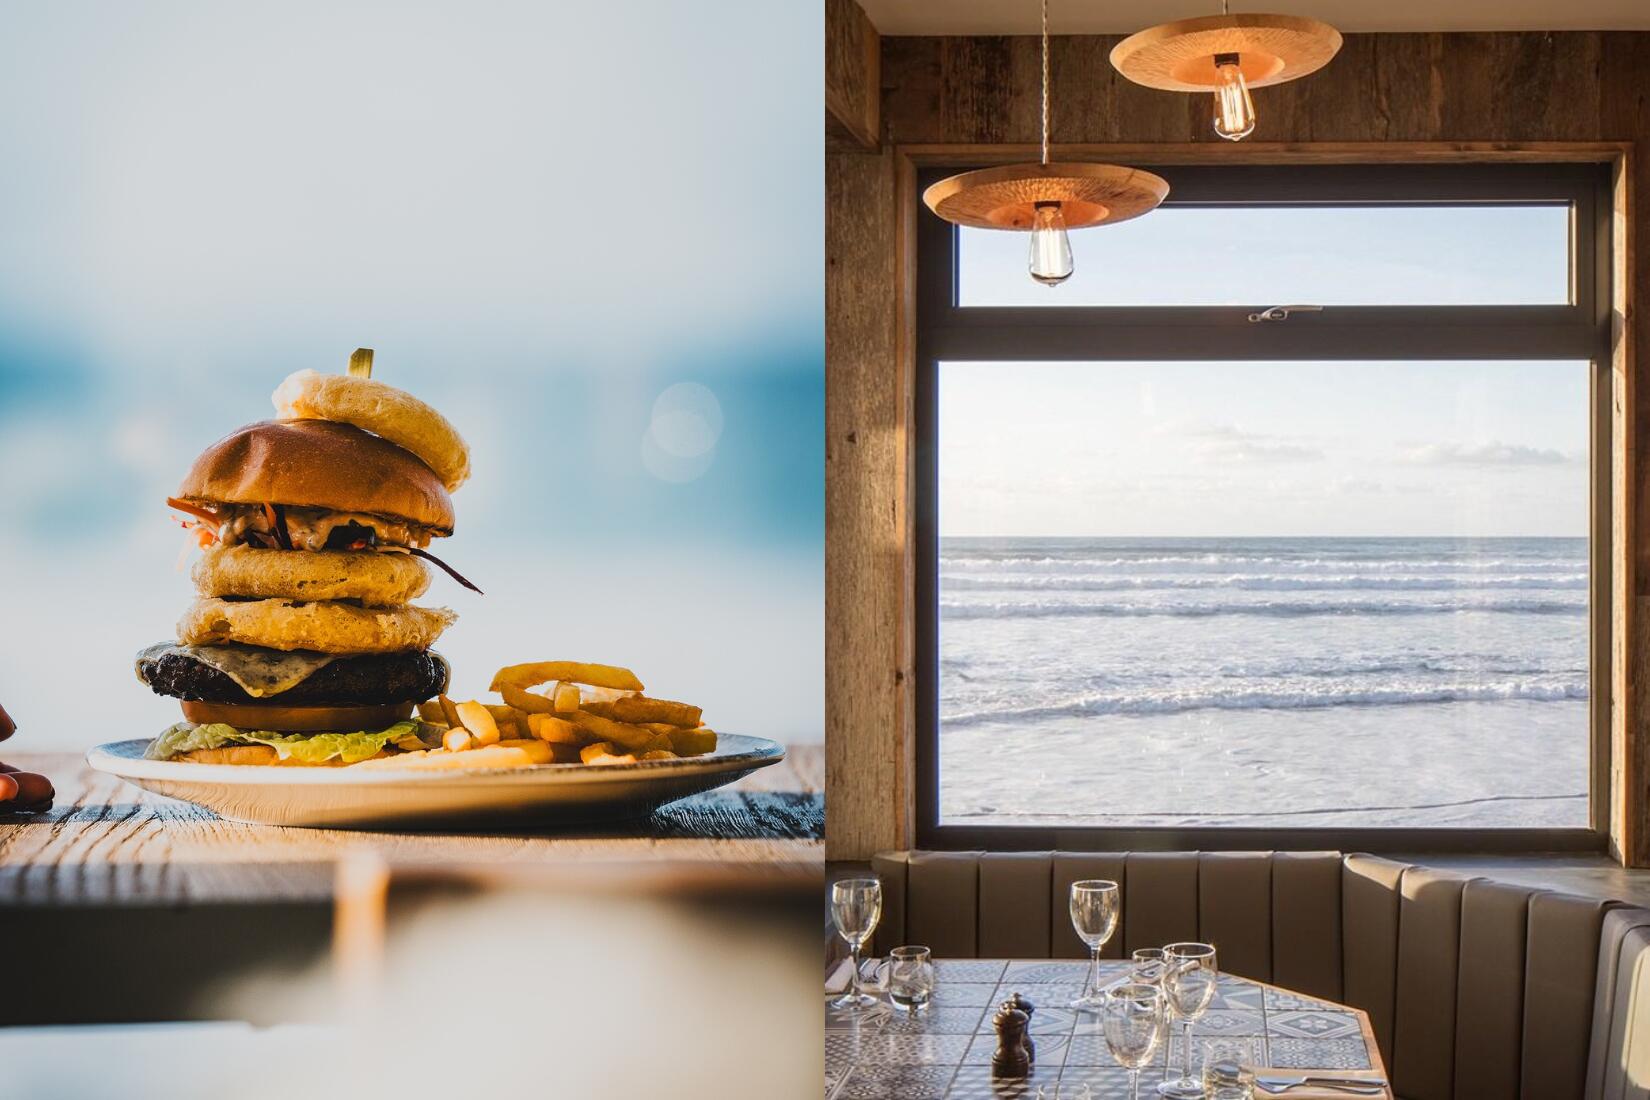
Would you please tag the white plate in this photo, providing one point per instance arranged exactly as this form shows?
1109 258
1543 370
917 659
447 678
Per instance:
352 797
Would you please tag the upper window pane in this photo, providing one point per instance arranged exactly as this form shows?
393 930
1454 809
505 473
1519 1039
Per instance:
1264 255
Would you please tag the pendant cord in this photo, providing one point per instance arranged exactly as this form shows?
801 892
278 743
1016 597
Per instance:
1045 82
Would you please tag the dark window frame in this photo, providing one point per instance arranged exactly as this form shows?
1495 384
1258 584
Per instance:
946 331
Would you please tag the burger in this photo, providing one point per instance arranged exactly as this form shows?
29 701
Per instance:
302 645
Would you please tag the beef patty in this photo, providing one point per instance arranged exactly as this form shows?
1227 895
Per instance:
369 679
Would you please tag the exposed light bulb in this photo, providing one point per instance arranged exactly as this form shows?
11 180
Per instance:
1050 262
1234 110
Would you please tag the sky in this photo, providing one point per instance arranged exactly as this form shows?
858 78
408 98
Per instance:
602 280
1272 448
1264 449
1328 255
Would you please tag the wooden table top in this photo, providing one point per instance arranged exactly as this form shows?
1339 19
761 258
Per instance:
108 843
945 1050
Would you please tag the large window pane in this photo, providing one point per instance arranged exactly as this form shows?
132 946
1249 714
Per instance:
1266 255
1273 594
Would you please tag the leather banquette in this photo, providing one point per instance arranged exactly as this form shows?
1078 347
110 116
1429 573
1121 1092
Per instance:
1476 990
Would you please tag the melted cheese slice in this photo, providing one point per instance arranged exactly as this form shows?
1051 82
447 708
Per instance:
259 672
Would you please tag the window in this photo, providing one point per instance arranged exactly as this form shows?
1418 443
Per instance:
1190 577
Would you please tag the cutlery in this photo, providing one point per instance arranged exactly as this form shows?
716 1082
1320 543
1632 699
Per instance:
1362 1086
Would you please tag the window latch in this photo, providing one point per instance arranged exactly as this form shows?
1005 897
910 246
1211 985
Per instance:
1281 313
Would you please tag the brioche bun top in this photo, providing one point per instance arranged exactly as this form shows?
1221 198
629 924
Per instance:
319 464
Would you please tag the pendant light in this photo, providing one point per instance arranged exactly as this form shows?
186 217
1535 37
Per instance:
1045 198
1227 55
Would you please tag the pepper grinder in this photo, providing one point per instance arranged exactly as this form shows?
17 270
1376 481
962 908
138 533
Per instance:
1010 1058
1017 1001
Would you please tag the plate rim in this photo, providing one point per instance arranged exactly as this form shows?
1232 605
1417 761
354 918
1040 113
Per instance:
752 753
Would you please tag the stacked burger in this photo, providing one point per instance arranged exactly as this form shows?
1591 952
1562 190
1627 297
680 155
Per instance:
303 646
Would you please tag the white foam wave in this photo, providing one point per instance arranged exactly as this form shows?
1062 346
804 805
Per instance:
1041 609
1266 582
1204 562
1271 699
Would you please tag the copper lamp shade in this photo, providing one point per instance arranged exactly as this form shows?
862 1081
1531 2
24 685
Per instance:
1006 197
1270 49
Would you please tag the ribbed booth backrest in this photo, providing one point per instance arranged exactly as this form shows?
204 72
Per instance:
1618 1063
1476 990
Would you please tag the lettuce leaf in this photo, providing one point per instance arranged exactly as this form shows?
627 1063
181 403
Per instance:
307 748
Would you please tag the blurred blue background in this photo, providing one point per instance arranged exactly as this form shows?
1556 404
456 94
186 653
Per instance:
590 234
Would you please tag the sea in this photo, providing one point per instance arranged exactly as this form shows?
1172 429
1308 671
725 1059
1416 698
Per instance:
1294 682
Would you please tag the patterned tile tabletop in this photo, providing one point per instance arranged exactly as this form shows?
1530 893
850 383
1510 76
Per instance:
944 1051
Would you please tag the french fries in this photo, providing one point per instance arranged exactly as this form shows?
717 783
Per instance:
556 731
586 714
566 698
539 672
639 709
694 742
601 752
476 718
633 738
448 709
524 700
516 754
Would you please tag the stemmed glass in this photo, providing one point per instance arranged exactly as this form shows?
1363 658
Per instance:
1146 965
1189 976
1132 1018
1094 909
856 906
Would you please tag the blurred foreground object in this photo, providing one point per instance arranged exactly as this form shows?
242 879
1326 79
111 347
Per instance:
599 981
697 980
21 791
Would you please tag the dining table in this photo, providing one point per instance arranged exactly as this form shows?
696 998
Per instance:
943 1051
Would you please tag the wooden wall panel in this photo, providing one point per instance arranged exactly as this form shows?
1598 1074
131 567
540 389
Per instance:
1389 87
1500 88
853 92
867 537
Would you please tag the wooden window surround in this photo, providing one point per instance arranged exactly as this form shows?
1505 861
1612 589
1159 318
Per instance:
874 706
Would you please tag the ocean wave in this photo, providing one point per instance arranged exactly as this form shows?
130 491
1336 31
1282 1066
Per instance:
1200 562
1265 582
1272 699
956 610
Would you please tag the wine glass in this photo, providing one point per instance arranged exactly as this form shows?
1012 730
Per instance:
1133 1021
1094 909
1146 965
1189 976
856 906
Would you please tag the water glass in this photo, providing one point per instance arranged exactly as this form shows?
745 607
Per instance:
856 906
1189 977
1132 1018
908 974
1061 1091
1095 905
1224 1075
